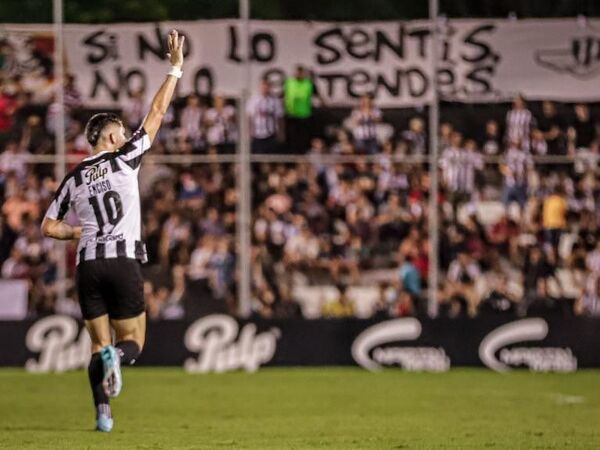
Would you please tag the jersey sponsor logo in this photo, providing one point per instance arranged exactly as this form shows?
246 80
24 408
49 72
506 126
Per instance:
222 347
370 351
494 353
109 238
95 173
60 344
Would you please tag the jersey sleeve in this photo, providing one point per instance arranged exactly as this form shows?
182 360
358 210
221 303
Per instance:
62 200
133 150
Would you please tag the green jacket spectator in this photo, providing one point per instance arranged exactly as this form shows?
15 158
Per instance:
298 92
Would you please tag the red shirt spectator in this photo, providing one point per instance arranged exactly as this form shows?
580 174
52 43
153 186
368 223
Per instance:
7 110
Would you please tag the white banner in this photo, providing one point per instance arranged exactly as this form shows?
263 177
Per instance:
480 60
14 296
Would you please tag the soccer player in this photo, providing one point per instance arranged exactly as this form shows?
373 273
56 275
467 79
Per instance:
103 190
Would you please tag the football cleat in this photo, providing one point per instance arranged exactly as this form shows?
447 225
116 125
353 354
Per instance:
111 361
104 423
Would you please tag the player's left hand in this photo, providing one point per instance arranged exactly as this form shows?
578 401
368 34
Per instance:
175 44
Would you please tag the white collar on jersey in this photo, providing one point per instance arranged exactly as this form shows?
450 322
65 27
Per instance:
95 156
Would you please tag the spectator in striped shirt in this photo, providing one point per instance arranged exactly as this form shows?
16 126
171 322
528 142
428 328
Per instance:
364 120
220 121
519 123
265 111
516 166
190 121
458 171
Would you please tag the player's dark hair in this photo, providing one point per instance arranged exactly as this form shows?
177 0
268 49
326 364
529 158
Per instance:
97 123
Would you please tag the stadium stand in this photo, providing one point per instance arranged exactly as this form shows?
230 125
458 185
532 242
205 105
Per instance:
518 202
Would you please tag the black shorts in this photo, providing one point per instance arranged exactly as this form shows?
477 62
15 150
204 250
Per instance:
112 286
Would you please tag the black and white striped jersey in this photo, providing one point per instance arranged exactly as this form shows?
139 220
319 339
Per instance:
519 123
365 124
103 191
458 169
519 164
265 112
190 121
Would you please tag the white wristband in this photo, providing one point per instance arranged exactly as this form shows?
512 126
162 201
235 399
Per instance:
175 71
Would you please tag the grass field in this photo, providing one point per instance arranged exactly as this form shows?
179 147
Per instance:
306 408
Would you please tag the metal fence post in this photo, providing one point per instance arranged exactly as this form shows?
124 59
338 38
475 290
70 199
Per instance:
244 184
434 229
59 132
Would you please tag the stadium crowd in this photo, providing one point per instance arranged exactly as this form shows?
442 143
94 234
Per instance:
516 235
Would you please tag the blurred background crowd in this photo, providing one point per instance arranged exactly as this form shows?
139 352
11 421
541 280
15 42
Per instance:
340 237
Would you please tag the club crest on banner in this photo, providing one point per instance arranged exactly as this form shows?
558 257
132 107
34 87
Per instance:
579 57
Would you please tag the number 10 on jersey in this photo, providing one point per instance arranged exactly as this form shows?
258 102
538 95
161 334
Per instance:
109 210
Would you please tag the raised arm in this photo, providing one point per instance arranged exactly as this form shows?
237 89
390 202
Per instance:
162 99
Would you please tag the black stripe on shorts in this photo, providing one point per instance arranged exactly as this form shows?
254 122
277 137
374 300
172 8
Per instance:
139 250
121 249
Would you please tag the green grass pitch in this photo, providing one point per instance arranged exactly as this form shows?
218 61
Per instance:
306 408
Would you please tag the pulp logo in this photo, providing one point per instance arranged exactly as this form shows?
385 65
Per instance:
538 359
580 57
60 344
368 348
214 339
95 173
